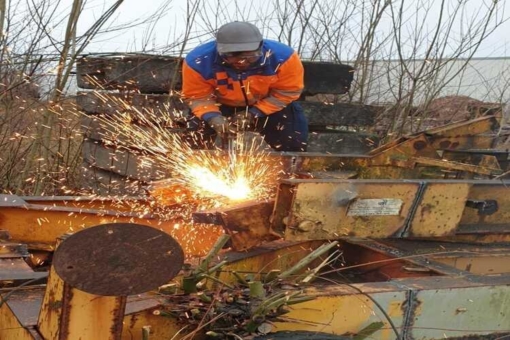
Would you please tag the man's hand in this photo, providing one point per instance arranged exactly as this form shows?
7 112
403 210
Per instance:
219 124
248 119
244 121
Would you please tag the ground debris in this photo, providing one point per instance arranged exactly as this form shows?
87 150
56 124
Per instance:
227 311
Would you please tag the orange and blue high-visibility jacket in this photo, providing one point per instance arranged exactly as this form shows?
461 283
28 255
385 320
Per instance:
272 84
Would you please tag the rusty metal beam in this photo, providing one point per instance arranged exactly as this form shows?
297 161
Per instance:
451 302
450 165
316 161
408 158
446 258
18 313
42 220
467 128
247 223
326 209
402 150
419 308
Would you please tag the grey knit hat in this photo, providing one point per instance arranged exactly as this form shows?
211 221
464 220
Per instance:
238 36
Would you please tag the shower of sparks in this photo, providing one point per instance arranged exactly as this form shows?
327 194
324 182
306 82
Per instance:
243 172
150 134
194 179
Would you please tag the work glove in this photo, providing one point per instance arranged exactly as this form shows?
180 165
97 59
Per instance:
244 121
219 123
248 120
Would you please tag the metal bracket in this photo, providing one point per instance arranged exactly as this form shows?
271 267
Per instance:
484 207
404 231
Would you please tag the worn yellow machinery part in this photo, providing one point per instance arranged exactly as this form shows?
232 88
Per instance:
66 313
319 209
399 152
481 264
268 257
419 313
440 209
495 190
471 127
454 209
51 308
45 223
344 311
159 327
10 327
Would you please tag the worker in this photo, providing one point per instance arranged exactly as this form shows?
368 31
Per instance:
241 81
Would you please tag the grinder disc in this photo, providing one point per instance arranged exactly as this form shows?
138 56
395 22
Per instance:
118 259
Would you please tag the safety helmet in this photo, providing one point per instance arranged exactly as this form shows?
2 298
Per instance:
238 36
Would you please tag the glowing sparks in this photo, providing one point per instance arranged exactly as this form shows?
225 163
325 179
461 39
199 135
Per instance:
204 179
198 179
241 173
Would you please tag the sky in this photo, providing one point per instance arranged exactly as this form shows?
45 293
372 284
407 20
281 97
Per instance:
168 26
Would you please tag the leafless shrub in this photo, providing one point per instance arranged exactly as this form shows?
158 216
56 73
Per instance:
40 136
401 60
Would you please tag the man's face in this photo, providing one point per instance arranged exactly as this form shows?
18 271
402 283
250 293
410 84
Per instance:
242 60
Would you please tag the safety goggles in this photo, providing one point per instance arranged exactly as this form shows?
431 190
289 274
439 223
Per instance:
248 57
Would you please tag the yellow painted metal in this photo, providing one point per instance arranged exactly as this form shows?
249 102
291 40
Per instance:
68 313
393 172
325 209
400 153
489 161
106 203
340 310
71 314
10 327
440 209
161 327
261 262
461 312
482 265
312 162
486 191
450 165
41 226
50 314
417 312
88 316
473 134
319 209
463 142
467 128
45 226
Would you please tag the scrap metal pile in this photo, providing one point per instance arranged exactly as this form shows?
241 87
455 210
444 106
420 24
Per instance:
408 241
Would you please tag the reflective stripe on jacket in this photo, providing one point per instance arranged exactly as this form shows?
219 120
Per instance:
272 84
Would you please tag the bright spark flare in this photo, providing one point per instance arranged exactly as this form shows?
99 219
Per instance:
206 180
242 173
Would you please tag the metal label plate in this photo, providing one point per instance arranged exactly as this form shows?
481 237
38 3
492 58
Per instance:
375 207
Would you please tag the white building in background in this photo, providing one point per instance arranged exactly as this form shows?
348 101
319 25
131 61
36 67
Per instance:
484 79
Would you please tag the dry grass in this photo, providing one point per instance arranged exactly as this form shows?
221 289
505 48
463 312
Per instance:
18 130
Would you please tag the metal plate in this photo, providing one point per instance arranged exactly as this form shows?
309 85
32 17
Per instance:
118 259
375 207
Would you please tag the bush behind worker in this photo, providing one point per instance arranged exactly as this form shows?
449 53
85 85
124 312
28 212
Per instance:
241 81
